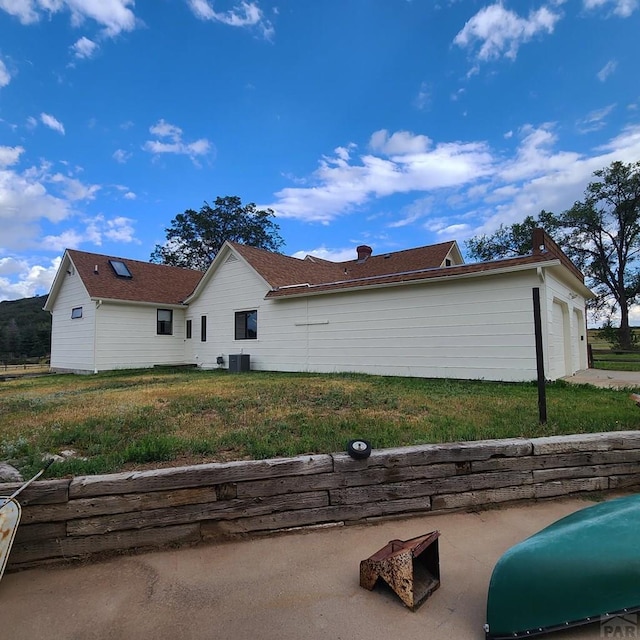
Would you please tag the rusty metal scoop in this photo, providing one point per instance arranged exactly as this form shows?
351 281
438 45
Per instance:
410 567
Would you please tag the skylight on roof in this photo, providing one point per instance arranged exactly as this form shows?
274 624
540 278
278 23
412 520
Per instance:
120 268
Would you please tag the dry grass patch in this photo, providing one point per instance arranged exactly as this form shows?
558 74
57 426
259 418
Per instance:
147 418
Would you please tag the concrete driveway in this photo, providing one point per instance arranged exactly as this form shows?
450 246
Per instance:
608 379
300 586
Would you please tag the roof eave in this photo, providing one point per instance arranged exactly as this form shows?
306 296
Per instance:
141 303
309 291
57 281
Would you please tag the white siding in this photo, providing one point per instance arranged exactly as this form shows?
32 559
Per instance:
566 343
473 329
477 328
579 341
128 337
72 339
234 287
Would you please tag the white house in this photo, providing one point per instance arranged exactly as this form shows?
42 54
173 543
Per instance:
419 312
112 313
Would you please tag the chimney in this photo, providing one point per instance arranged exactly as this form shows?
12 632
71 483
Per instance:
95 269
538 241
364 252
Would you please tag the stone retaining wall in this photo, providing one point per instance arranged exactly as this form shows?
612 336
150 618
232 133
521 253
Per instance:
79 517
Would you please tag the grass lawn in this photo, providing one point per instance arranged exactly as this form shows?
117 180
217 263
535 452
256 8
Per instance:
139 419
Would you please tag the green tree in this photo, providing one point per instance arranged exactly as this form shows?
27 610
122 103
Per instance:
195 237
509 241
600 233
25 329
602 236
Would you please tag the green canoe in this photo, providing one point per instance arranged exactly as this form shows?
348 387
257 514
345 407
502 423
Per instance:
583 568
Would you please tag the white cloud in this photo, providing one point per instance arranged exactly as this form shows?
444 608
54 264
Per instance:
84 48
500 32
120 229
24 199
535 155
114 16
68 239
51 122
478 187
24 10
29 279
94 230
121 156
175 144
5 76
32 197
562 183
417 210
10 155
129 195
607 70
73 189
244 15
400 142
339 184
163 129
620 8
595 120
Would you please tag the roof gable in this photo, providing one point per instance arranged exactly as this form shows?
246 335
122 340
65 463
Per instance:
284 271
148 283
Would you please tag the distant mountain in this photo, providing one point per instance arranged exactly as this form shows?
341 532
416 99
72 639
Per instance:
25 330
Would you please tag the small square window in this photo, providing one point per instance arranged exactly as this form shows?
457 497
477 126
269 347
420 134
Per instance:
165 322
76 313
246 325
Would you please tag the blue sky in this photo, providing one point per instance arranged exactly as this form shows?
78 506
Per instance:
386 122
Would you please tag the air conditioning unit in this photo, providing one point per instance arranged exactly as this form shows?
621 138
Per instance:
239 362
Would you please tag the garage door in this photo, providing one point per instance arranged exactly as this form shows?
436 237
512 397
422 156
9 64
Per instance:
558 344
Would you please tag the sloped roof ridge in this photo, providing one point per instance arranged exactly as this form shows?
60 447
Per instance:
431 247
77 252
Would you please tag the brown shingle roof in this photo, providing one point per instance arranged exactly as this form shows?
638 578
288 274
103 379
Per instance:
287 276
153 283
412 276
291 276
284 271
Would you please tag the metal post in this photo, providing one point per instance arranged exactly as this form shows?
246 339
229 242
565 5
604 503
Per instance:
542 392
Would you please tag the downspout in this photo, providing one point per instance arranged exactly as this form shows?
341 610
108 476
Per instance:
95 336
